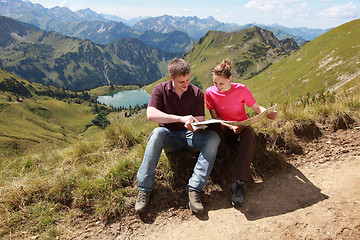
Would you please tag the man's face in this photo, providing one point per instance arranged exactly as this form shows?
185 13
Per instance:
181 83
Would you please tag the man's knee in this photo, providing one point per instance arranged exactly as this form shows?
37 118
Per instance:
159 133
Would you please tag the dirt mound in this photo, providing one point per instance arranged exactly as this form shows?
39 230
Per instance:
308 130
342 121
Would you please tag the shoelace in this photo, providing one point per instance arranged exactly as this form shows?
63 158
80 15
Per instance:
197 197
142 197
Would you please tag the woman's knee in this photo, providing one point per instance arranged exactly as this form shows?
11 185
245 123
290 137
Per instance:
248 133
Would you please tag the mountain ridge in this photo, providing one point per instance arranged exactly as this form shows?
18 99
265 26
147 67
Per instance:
51 58
251 51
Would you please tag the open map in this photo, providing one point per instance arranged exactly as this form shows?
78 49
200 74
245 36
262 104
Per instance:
257 118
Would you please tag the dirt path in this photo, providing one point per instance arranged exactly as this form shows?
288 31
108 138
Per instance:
317 198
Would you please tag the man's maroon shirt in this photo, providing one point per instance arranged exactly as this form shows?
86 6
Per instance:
164 98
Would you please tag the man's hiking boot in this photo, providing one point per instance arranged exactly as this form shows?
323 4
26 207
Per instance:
195 203
238 192
142 201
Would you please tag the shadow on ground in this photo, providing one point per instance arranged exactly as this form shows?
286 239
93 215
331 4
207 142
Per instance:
279 194
282 189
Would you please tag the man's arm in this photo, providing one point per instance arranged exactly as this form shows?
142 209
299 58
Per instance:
155 115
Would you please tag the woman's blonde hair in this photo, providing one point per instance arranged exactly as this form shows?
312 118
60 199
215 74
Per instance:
223 69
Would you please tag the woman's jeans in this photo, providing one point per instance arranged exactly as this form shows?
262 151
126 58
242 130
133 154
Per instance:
205 141
247 143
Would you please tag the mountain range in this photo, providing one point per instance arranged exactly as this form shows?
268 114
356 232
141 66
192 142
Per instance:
329 63
104 29
54 59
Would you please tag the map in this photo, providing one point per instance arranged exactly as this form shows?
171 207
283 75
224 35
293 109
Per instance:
247 122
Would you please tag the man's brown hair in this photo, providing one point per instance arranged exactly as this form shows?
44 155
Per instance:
178 67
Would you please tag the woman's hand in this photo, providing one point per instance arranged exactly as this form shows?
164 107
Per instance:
272 115
236 129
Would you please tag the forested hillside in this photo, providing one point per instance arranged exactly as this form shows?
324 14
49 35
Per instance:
54 59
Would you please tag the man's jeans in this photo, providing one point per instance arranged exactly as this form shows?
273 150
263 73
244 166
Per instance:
206 142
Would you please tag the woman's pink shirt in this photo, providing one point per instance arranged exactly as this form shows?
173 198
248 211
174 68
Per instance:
230 105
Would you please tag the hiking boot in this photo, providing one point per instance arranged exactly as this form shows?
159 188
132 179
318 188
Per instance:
238 192
195 201
142 201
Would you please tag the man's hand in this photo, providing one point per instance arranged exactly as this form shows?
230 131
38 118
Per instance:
187 120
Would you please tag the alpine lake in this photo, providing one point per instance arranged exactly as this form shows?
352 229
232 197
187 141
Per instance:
125 98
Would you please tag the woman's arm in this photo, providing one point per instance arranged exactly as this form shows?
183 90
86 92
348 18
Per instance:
259 109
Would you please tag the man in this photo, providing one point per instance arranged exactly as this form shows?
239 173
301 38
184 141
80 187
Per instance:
175 105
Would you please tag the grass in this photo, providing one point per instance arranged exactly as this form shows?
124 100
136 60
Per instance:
89 177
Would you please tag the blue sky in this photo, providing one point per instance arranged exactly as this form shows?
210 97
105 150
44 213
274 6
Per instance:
290 13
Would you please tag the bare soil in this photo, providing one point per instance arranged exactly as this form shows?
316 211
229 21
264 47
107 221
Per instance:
317 197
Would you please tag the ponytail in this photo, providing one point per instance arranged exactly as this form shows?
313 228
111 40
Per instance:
223 69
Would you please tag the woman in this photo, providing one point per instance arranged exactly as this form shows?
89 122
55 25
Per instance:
225 100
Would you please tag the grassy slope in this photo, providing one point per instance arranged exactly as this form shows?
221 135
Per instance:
325 63
38 119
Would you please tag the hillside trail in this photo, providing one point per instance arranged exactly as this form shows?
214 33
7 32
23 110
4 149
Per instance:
317 197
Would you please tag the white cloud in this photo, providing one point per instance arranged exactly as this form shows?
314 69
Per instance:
64 4
288 13
214 10
349 10
276 6
285 9
260 5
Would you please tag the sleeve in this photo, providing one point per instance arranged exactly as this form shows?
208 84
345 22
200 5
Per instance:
199 108
156 98
208 100
248 97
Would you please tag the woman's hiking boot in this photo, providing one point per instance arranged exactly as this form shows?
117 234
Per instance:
238 193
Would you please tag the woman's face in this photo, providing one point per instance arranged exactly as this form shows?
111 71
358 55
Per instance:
221 83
